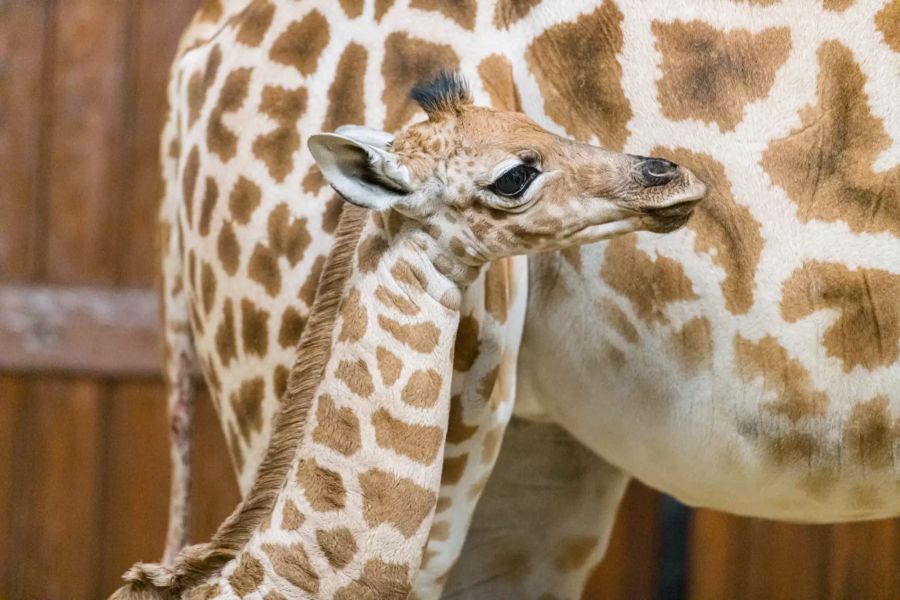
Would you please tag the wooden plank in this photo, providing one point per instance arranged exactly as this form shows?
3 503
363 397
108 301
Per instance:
23 37
137 479
82 221
96 331
52 542
734 557
12 396
629 569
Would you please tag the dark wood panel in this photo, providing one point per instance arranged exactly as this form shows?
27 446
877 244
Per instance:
88 66
52 545
23 36
734 557
629 570
96 331
137 480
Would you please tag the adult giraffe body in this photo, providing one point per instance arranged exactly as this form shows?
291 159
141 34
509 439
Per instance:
748 363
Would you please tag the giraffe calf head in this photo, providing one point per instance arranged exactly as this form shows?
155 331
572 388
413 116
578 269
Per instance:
490 183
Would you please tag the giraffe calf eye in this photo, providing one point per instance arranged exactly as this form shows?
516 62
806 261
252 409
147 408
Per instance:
514 182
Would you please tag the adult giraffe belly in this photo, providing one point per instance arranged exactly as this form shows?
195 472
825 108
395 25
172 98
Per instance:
787 411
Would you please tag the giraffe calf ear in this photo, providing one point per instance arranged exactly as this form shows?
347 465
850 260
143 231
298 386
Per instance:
364 173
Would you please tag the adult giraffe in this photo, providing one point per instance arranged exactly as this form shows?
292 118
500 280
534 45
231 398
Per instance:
748 363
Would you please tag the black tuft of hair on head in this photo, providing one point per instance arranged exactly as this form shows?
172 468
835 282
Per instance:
448 91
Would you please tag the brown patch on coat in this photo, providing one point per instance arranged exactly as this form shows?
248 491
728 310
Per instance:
307 291
370 252
497 290
291 517
207 286
381 580
388 365
866 332
710 75
422 389
381 8
189 183
280 381
331 216
254 328
355 374
337 428
314 180
650 285
352 8
457 430
323 488
407 61
497 76
276 150
198 85
453 469
300 45
248 575
338 546
825 165
466 350
887 21
461 11
219 138
507 12
291 328
395 501
228 248
619 321
837 5
234 448
353 318
255 23
574 553
263 269
724 229
577 70
210 11
289 237
244 199
226 342
346 95
400 303
420 443
421 337
284 106
796 398
247 406
292 563
693 344
870 434
439 532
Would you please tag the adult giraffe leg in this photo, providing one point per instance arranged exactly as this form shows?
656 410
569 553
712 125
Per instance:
543 521
180 359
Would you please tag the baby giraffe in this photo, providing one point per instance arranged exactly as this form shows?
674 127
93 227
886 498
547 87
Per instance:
344 499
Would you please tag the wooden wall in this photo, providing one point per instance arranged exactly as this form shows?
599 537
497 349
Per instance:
83 463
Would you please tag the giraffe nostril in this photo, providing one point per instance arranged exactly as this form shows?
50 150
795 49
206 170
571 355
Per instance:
657 171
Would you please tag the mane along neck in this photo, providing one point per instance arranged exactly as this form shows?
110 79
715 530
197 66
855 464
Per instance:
358 445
